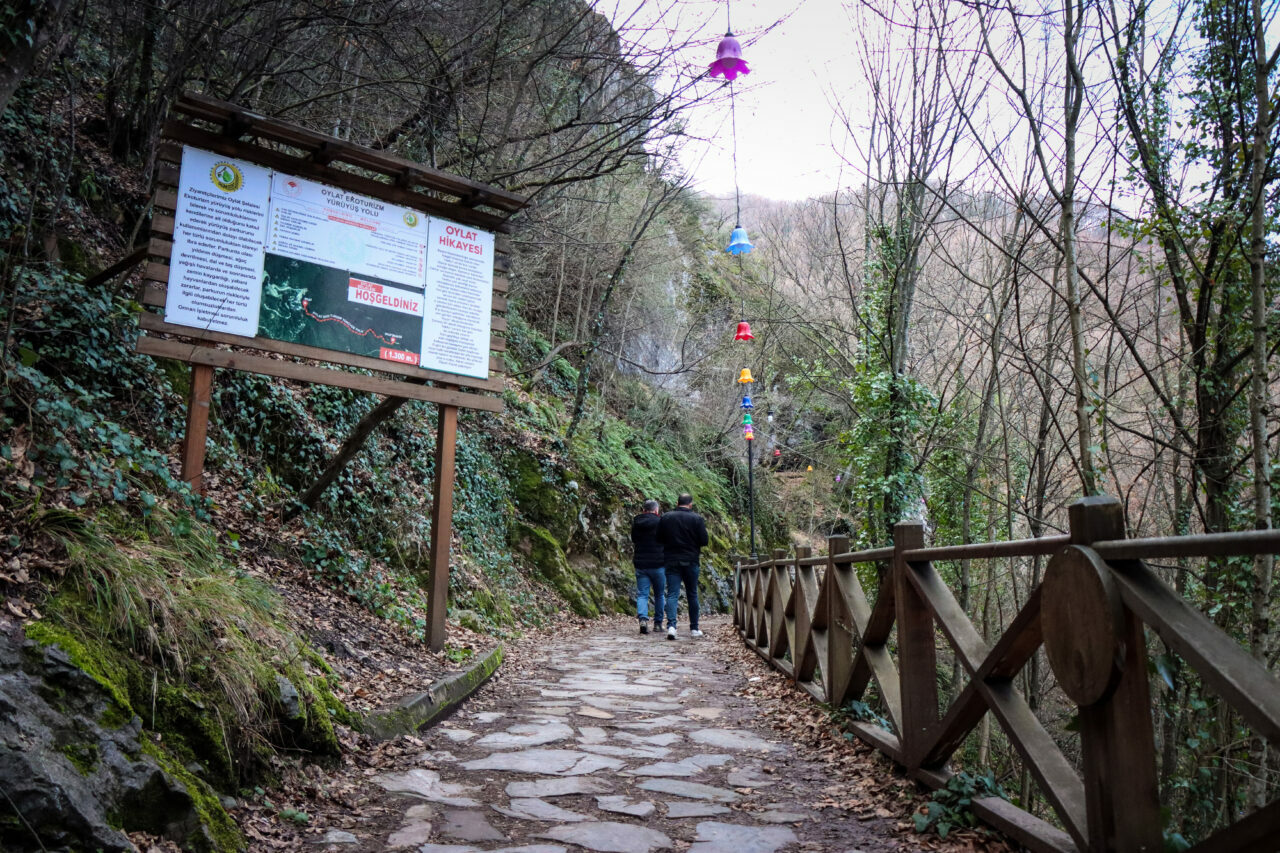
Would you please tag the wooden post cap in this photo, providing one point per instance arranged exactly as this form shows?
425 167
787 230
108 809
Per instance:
1082 619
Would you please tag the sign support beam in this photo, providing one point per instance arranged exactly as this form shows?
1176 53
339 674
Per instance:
441 525
193 445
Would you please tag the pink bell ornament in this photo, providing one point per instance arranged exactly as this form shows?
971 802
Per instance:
729 61
744 332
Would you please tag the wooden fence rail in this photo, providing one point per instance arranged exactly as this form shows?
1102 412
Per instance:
811 618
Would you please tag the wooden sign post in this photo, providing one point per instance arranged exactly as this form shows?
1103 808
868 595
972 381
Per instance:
326 255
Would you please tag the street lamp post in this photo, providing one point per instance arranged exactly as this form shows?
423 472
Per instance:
751 500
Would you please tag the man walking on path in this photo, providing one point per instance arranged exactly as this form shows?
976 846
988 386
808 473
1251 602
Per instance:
647 557
683 534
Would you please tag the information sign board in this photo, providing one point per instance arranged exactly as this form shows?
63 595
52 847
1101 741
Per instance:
261 253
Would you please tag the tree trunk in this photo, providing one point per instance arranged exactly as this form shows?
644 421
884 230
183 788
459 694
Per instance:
16 59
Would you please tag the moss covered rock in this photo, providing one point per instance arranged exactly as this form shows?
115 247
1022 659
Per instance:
86 772
582 593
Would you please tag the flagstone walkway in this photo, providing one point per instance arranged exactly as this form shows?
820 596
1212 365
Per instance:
616 742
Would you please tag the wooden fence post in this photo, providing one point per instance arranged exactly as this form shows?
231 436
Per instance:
917 652
1097 649
837 667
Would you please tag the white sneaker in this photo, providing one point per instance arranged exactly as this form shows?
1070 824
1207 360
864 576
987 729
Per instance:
671 632
695 633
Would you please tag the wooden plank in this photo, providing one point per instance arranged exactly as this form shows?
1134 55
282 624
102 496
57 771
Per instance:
169 152
501 284
195 354
917 655
883 613
882 739
1023 827
165 199
160 248
123 265
841 634
968 644
1243 543
154 323
499 303
211 109
806 597
441 526
1056 776
1225 666
167 173
157 271
162 223
1043 546
1256 833
780 590
878 663
195 440
228 147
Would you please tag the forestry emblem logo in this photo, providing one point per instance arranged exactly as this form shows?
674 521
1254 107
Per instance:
411 219
226 177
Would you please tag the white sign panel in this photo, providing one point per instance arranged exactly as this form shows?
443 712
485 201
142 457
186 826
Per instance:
275 256
215 272
455 334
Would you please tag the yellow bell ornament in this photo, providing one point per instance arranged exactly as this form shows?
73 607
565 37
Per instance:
745 375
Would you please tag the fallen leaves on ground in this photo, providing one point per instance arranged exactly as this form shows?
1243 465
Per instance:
866 783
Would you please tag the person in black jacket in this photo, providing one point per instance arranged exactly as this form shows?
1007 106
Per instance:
683 534
648 561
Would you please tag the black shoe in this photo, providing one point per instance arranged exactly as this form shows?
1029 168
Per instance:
644 626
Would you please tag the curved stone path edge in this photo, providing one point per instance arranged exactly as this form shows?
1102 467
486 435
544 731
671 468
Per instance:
414 713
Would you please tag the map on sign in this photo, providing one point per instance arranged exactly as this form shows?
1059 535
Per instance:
270 255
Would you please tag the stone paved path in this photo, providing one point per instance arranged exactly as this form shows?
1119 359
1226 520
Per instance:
617 742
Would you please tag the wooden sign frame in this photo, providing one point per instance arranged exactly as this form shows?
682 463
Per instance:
228 130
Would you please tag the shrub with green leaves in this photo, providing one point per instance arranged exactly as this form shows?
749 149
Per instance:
951 806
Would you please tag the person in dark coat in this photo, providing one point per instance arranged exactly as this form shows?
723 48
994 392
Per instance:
683 534
648 561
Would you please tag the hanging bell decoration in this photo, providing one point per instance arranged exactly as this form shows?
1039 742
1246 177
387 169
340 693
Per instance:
729 61
749 436
768 415
746 402
746 418
739 244
809 470
745 376
744 332
777 451
837 478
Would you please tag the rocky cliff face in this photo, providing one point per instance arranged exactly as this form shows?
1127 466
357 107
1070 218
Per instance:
76 769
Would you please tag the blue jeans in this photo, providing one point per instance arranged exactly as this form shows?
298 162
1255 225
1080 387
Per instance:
657 578
687 572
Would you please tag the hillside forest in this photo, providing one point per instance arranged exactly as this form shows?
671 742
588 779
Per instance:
1047 271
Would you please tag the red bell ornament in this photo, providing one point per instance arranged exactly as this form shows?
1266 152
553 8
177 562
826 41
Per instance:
744 332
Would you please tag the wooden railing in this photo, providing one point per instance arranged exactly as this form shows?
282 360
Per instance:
810 618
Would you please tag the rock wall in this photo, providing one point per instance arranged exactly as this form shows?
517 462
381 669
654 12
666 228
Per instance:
76 769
